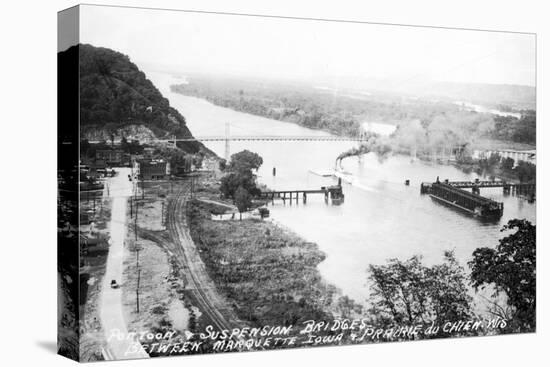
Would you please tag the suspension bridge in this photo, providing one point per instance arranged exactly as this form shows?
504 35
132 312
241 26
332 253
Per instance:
249 135
262 138
227 138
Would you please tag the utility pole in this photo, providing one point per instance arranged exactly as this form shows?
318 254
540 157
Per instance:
162 214
135 223
137 289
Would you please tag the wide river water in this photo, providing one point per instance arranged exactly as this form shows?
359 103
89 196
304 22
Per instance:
381 217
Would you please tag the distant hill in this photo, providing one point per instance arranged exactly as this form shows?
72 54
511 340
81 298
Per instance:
117 98
518 97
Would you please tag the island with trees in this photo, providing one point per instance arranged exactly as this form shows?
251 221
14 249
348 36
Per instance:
343 111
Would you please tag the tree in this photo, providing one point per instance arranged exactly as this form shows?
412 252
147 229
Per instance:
241 174
410 293
242 200
229 184
507 164
232 181
245 161
526 171
180 162
448 290
489 164
511 268
347 307
522 130
526 129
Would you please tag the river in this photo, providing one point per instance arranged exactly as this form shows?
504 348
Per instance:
381 217
481 109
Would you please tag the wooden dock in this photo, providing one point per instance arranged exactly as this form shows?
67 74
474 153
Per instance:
334 193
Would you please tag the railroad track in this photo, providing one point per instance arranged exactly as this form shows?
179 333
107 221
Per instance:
199 283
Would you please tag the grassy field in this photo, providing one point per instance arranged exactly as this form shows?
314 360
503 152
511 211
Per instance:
268 273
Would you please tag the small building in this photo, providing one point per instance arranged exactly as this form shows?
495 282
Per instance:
152 169
111 157
90 244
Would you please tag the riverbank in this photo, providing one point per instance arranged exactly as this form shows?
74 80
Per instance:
298 104
268 273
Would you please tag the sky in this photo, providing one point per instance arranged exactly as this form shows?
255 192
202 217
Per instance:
309 49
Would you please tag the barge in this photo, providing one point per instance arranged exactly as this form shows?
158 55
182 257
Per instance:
471 203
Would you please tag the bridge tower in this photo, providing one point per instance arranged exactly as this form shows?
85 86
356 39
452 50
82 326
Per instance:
362 139
227 151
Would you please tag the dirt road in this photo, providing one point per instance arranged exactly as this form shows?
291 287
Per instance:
120 346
